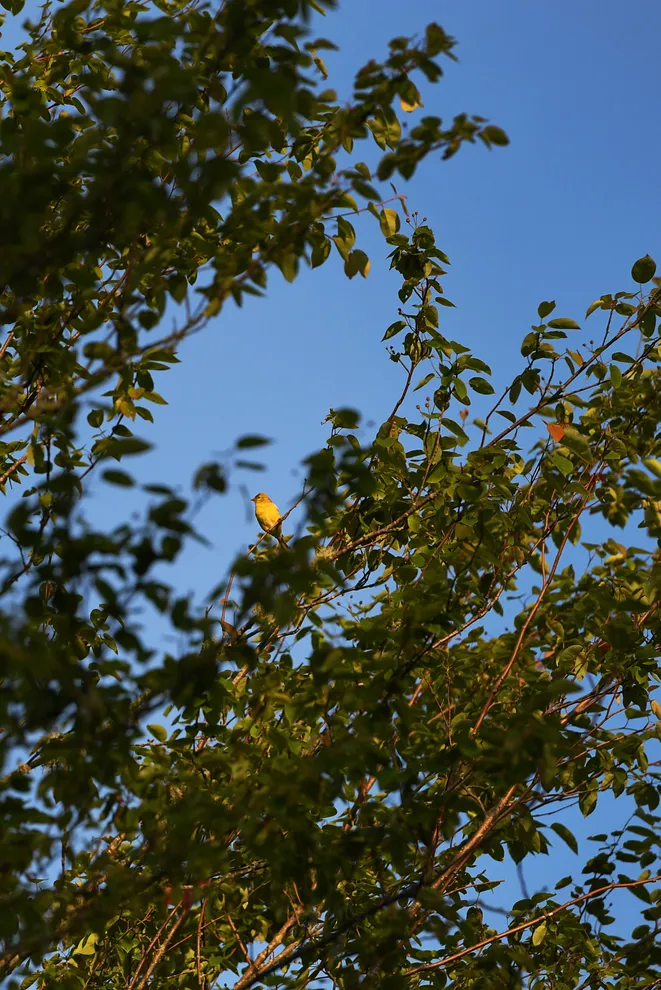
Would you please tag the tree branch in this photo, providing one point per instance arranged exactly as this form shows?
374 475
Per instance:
528 924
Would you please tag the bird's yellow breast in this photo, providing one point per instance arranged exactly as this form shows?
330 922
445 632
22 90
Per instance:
267 512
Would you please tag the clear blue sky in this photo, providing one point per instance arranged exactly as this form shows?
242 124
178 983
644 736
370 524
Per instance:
560 214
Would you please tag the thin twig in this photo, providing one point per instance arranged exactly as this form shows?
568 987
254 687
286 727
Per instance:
198 952
10 337
151 945
246 954
162 950
13 468
533 611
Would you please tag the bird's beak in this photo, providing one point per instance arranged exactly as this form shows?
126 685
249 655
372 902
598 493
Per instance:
254 498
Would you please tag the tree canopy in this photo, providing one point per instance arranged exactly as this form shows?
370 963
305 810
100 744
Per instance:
312 789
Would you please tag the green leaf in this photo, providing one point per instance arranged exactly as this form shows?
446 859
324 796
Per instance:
357 262
577 443
345 238
424 381
155 398
95 418
178 287
394 329
653 465
563 464
587 802
118 478
539 934
597 304
439 473
529 343
643 270
460 391
495 135
481 385
288 265
562 323
648 323
320 251
565 835
545 308
252 440
125 446
158 731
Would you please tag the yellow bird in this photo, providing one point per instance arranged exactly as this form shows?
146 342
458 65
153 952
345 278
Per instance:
268 517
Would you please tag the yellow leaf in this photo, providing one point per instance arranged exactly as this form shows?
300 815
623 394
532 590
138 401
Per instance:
125 407
653 465
87 945
539 933
389 222
320 65
410 107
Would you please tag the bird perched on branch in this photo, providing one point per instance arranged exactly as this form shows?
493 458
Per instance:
268 517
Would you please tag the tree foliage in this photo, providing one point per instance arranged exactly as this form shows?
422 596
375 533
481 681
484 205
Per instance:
458 649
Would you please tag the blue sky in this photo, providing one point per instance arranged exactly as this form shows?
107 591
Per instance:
560 214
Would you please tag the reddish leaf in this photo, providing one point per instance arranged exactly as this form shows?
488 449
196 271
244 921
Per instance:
557 430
